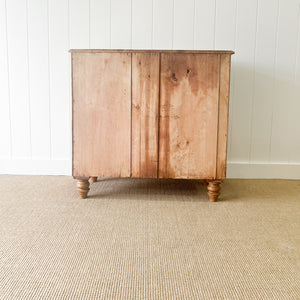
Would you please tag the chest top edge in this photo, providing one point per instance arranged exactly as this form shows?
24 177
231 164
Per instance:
151 51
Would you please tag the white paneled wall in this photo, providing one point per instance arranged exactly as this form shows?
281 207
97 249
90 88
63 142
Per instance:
35 87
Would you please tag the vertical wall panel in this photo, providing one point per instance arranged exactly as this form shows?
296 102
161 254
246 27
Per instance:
35 36
121 24
5 147
59 79
163 24
100 24
241 116
225 38
294 120
79 11
18 78
142 29
264 80
39 73
204 31
225 24
184 13
284 90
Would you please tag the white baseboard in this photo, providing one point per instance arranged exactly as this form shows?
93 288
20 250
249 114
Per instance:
263 170
36 167
234 170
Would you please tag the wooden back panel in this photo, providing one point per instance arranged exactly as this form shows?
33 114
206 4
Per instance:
145 96
223 115
150 114
101 114
189 91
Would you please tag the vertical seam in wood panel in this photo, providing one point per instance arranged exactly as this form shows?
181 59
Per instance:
217 146
28 80
253 85
130 175
158 111
274 75
49 83
8 81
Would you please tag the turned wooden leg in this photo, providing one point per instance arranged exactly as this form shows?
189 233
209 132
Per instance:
83 187
213 189
93 179
205 182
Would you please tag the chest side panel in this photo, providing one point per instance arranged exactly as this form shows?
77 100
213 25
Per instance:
189 91
101 114
145 96
223 115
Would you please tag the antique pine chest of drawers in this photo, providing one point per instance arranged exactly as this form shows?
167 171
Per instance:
150 114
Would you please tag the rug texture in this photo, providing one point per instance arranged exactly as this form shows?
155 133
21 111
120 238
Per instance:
148 239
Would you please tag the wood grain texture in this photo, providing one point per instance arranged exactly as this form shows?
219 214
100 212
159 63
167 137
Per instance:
223 115
145 97
101 114
188 115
